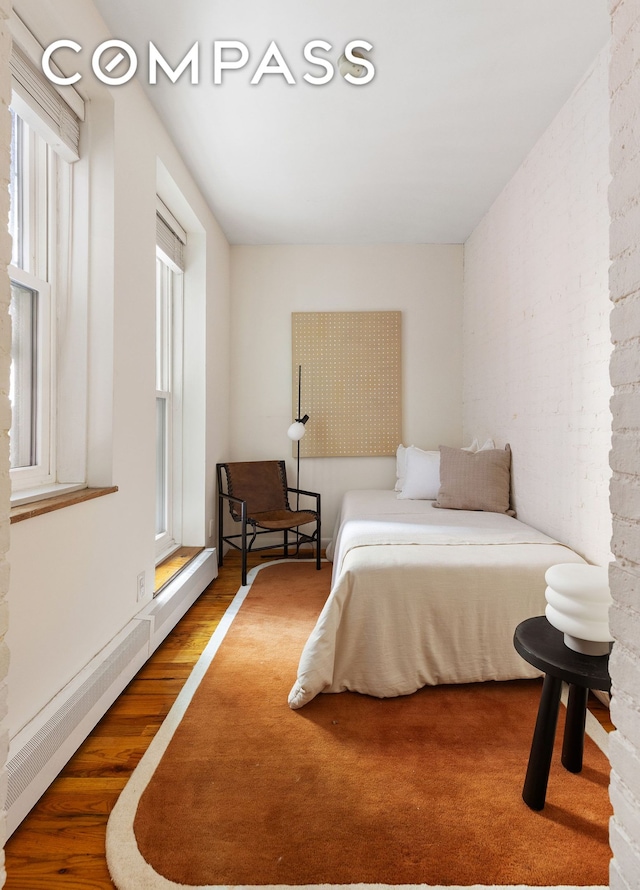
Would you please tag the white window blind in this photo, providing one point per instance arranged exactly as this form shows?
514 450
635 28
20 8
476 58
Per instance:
170 236
44 109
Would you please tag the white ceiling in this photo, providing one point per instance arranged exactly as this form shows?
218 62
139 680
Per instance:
463 88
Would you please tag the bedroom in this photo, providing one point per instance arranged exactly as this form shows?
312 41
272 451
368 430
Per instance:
76 573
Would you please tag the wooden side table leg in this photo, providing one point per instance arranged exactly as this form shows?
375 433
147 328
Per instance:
537 778
573 742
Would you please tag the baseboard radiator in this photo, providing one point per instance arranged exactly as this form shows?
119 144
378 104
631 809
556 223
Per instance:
41 749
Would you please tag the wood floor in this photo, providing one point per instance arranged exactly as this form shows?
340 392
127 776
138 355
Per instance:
61 843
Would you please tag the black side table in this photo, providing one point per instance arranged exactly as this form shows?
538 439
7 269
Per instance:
539 643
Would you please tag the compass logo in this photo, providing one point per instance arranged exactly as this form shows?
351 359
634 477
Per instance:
115 62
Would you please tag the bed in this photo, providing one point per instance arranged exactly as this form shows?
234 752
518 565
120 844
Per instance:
422 595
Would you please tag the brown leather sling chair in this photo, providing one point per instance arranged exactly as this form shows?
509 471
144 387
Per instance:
258 497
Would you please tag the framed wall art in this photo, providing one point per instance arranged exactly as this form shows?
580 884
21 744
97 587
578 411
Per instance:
348 369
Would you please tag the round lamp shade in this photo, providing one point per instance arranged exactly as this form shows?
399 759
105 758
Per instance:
578 600
296 431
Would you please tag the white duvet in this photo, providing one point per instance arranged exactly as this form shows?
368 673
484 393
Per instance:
422 596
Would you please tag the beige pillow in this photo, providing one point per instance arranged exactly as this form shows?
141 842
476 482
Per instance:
478 480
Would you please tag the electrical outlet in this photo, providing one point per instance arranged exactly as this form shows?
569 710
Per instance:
211 528
141 586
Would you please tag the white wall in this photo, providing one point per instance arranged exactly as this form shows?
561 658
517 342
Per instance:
424 282
624 199
74 571
536 336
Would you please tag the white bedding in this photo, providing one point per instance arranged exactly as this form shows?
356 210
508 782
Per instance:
422 596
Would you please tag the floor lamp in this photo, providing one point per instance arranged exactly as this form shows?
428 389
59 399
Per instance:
296 431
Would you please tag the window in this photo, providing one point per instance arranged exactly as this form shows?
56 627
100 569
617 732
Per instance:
29 390
169 288
44 145
34 186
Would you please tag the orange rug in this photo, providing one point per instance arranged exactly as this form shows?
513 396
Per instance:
239 790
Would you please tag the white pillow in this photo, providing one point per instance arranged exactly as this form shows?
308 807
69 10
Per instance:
401 466
422 475
475 446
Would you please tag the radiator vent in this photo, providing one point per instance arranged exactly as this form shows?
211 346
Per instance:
52 735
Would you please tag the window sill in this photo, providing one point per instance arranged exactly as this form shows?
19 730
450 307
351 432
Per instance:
41 492
57 502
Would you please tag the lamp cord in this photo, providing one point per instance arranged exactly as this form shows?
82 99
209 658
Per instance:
298 450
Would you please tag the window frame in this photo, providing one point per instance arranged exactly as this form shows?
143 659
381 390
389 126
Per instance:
169 379
55 251
36 190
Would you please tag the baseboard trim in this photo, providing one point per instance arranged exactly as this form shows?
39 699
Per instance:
41 749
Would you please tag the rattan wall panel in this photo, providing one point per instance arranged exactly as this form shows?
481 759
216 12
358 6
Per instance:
351 382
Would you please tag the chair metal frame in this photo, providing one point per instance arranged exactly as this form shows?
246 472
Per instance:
246 544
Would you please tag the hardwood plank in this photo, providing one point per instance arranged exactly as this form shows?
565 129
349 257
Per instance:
601 712
122 727
83 834
49 870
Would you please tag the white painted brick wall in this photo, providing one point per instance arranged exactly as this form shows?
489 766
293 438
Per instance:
536 330
5 411
624 278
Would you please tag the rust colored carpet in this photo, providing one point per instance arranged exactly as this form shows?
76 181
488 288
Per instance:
237 789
